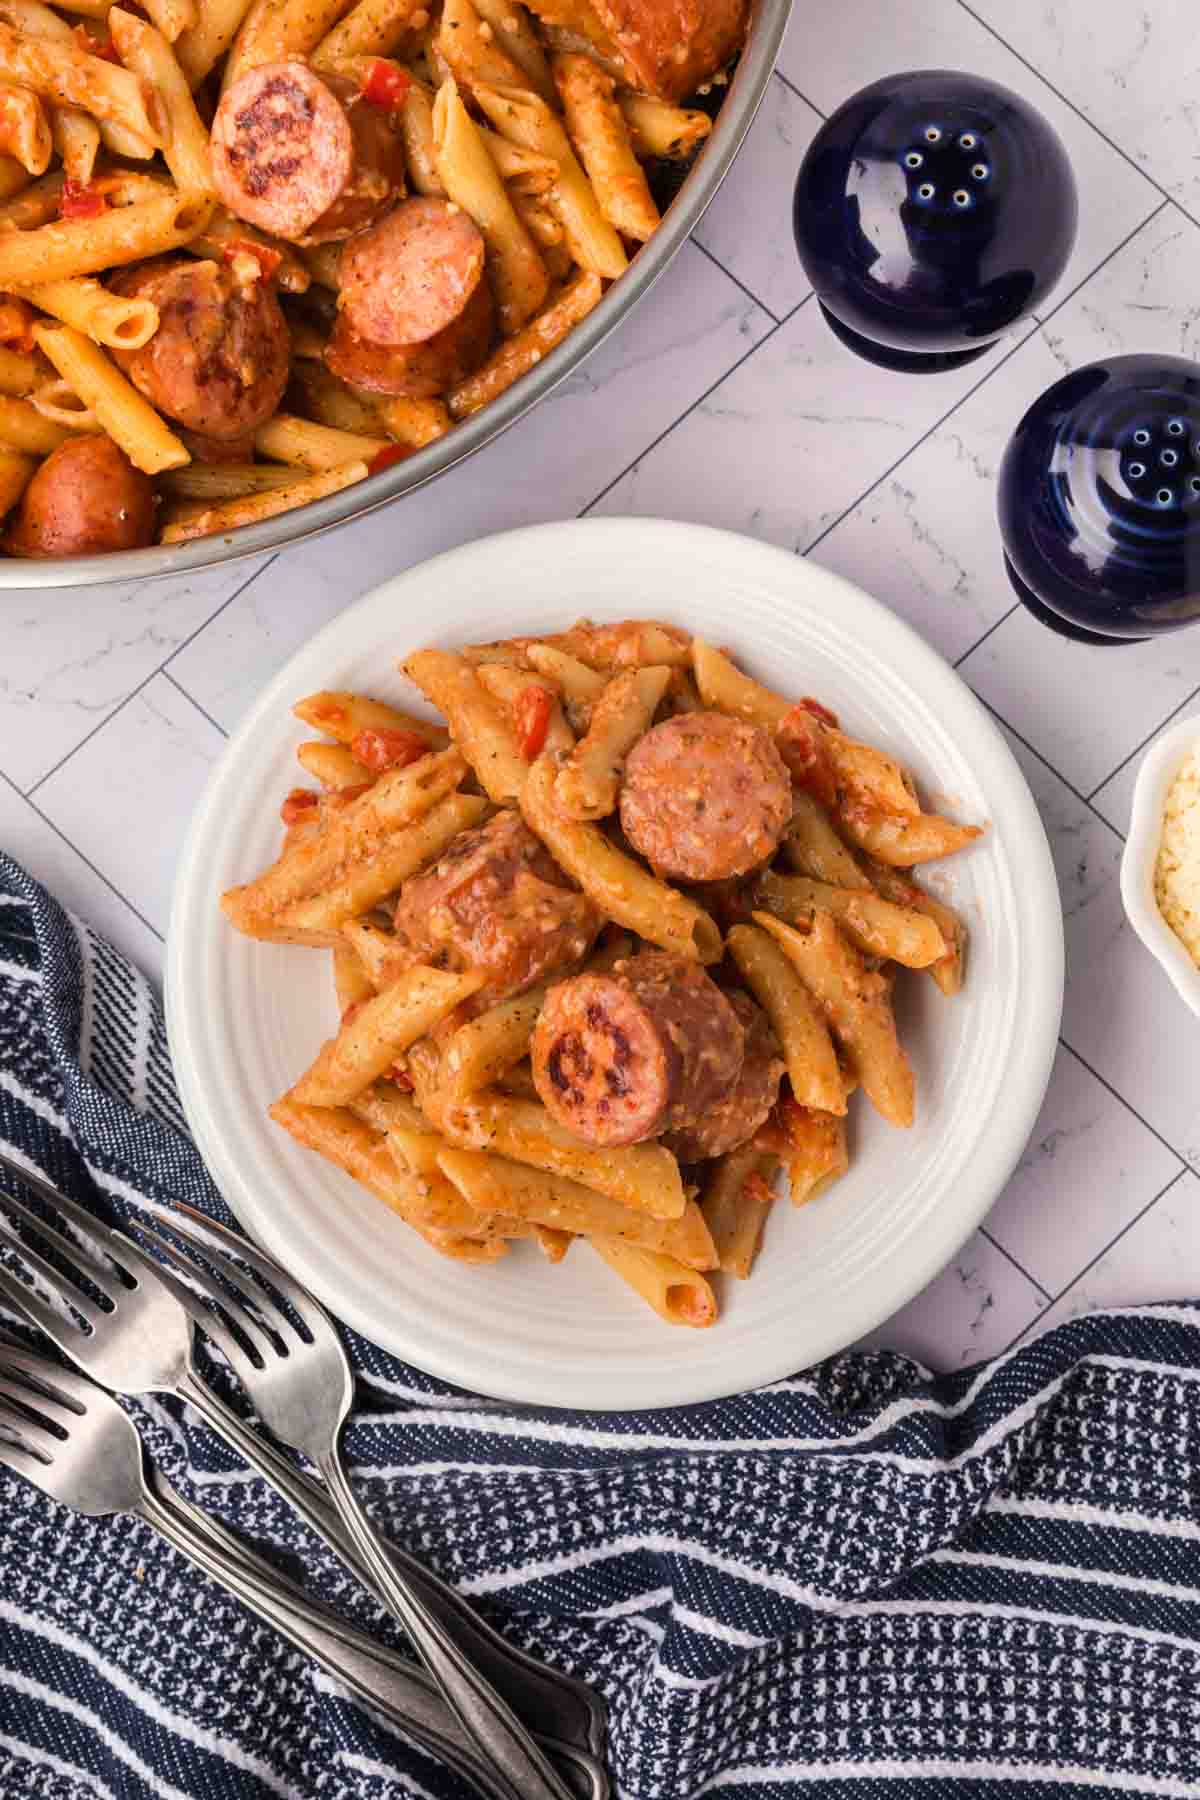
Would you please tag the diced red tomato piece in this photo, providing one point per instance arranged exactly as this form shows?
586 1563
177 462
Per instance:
81 201
802 746
102 47
383 459
386 84
532 709
300 804
386 748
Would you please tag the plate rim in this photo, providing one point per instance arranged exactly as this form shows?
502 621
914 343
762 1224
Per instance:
1007 1131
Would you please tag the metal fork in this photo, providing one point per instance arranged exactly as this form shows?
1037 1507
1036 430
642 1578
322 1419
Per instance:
71 1440
144 1345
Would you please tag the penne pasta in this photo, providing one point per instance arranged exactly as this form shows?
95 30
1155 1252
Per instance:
224 481
518 354
526 119
372 28
622 889
58 401
478 722
813 847
108 319
129 420
472 181
16 471
897 886
469 51
900 840
201 46
20 373
658 129
24 128
23 427
349 837
875 926
223 231
228 515
481 1052
169 17
333 766
508 685
679 1295
64 248
597 129
307 445
62 72
416 131
415 422
344 716
379 1031
799 1025
148 54
351 983
273 30
367 883
587 783
512 29
857 1006
381 954
331 402
736 1202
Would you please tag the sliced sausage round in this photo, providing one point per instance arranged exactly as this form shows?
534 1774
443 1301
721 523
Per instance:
218 362
621 1057
412 274
418 371
745 1106
705 797
302 155
87 497
496 900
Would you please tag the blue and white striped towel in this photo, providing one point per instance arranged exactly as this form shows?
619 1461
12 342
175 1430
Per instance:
856 1581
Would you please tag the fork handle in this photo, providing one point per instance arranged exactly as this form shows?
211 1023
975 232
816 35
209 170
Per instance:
483 1715
556 1704
376 1675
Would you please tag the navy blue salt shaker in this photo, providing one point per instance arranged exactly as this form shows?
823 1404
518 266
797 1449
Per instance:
932 211
1099 500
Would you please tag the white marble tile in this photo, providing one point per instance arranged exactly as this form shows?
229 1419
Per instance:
38 847
860 41
125 802
1133 70
975 1307
748 227
72 654
1115 798
694 326
791 439
1120 1014
1090 1167
1158 1258
864 40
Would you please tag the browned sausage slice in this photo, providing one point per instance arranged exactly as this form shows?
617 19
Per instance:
705 797
745 1106
418 371
219 360
281 147
496 900
622 1057
412 274
86 497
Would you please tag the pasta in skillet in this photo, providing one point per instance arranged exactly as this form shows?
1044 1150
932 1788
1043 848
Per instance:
543 1035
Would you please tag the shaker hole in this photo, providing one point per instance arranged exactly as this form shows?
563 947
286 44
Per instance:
1175 427
913 160
1168 458
961 197
1137 470
1194 484
926 190
1164 496
979 172
968 140
933 134
1141 437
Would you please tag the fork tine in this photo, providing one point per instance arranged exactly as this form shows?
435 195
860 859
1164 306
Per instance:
297 1297
253 1327
208 1320
19 1411
22 1461
51 1276
54 1386
67 1248
31 1306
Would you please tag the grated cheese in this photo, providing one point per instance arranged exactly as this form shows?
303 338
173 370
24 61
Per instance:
1177 870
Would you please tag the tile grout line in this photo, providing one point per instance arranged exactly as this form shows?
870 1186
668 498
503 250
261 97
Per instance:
1079 113
85 860
800 94
159 669
994 626
1100 1254
687 412
1127 1104
705 251
192 700
1138 748
1009 1257
1047 764
1038 324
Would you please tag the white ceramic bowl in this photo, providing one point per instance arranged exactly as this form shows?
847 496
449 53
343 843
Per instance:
246 1018
1160 765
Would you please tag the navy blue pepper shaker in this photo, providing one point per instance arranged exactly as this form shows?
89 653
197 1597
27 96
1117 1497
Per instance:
932 211
1099 500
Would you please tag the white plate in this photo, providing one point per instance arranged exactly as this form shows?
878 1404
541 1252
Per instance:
245 1018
